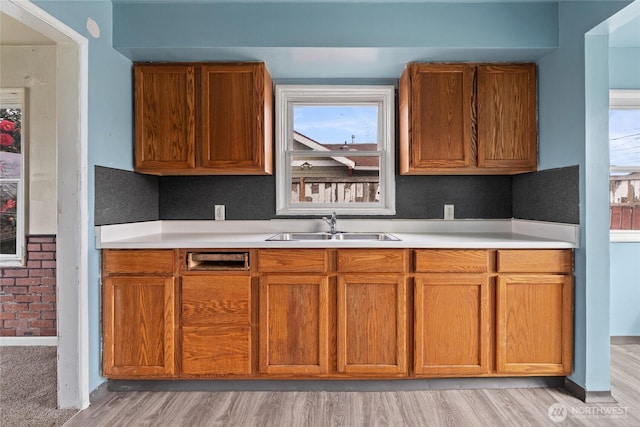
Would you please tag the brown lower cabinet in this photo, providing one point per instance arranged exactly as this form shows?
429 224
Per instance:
138 314
339 313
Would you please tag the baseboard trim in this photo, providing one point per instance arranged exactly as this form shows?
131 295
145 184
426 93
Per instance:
588 396
339 385
28 341
99 393
622 340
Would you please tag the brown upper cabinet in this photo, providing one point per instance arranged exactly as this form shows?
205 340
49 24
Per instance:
203 119
467 119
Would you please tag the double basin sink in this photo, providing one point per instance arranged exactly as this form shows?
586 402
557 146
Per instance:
287 237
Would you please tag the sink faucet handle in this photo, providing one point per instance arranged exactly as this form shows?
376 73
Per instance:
332 222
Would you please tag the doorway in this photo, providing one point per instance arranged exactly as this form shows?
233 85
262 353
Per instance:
72 224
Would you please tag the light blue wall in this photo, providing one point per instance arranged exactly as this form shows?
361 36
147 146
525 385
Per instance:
335 40
624 73
109 133
624 67
625 289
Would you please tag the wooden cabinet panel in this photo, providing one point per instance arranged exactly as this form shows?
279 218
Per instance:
452 325
165 117
138 327
372 260
452 261
216 350
138 261
216 300
216 324
293 260
294 324
468 119
534 324
507 117
372 319
535 261
436 103
236 111
203 118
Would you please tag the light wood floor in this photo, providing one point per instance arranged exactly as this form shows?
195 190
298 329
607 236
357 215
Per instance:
512 407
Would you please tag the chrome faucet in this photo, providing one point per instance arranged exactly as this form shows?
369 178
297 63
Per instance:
332 222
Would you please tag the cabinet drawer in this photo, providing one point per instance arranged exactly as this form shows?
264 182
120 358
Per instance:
371 261
292 261
216 300
216 350
535 261
452 261
138 262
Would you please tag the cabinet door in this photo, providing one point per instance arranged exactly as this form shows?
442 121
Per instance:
236 118
372 324
452 324
294 324
216 324
534 324
165 118
436 118
507 125
138 327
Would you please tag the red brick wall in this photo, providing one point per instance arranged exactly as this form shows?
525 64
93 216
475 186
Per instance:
28 294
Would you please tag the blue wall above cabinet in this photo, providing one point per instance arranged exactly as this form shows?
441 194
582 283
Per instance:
334 40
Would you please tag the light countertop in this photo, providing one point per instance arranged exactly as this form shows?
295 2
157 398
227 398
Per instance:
461 234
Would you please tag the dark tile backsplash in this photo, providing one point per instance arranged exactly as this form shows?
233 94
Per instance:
123 196
549 195
194 197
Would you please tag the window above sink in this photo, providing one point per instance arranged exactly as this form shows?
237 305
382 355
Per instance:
335 150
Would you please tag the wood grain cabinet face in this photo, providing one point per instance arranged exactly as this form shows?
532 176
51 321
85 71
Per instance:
372 324
236 125
534 312
138 313
138 326
452 324
216 324
294 324
534 324
436 117
203 119
165 117
468 119
507 117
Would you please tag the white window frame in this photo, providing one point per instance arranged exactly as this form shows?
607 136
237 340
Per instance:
624 99
15 98
286 97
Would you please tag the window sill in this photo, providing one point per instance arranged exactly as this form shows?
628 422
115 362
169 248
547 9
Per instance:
621 236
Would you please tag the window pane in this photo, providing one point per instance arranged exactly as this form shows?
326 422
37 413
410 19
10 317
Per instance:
335 127
8 217
10 143
624 137
624 187
335 179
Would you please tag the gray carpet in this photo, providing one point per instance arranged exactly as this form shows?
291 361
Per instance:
28 388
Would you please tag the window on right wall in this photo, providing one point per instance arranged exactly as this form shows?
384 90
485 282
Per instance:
624 157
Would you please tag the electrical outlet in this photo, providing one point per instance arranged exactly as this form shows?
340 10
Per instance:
448 212
219 213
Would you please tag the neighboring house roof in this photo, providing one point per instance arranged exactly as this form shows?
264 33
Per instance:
627 177
355 162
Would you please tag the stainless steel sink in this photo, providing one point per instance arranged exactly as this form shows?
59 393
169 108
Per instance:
283 237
